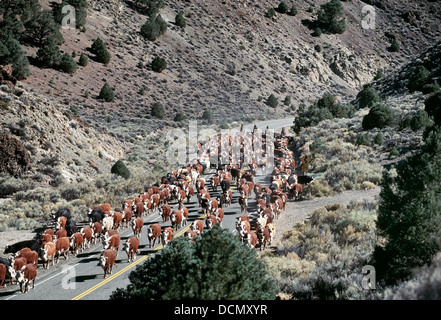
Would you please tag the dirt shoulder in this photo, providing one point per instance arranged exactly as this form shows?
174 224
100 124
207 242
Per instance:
297 211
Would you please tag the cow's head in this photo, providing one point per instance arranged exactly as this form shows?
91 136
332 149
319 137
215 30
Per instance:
20 275
126 246
103 261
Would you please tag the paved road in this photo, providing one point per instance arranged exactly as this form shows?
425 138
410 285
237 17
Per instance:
81 278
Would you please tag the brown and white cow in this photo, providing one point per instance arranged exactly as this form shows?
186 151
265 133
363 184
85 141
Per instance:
184 211
198 226
104 207
137 225
25 275
87 233
107 261
30 256
154 199
97 231
250 239
213 205
239 220
167 236
138 209
189 193
131 248
15 266
62 246
61 233
154 233
77 242
61 223
165 212
47 254
45 238
127 216
214 183
190 234
210 221
263 235
295 190
117 220
176 219
107 224
220 214
112 242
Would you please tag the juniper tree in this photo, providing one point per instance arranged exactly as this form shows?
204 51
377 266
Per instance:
331 17
107 93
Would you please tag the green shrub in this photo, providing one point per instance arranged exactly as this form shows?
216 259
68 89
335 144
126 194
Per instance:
378 139
283 8
208 115
362 139
149 7
179 117
49 56
120 169
67 64
83 60
367 98
180 20
107 93
159 64
420 120
272 101
270 13
158 110
317 32
293 11
394 153
153 28
430 88
331 17
394 46
380 116
419 77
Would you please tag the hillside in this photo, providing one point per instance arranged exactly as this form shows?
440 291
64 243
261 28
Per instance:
227 57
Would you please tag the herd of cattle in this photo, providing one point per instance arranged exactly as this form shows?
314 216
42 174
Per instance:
179 185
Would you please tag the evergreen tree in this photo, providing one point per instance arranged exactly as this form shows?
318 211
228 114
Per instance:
187 270
17 57
409 216
208 115
380 116
107 93
49 56
432 105
43 27
99 48
283 8
120 169
68 64
331 17
367 98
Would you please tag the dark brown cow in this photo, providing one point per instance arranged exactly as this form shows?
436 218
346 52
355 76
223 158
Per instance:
154 233
2 274
137 225
117 220
294 190
27 274
62 247
104 207
131 248
107 261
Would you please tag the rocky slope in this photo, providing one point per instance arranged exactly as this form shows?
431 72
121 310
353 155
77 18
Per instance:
228 56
